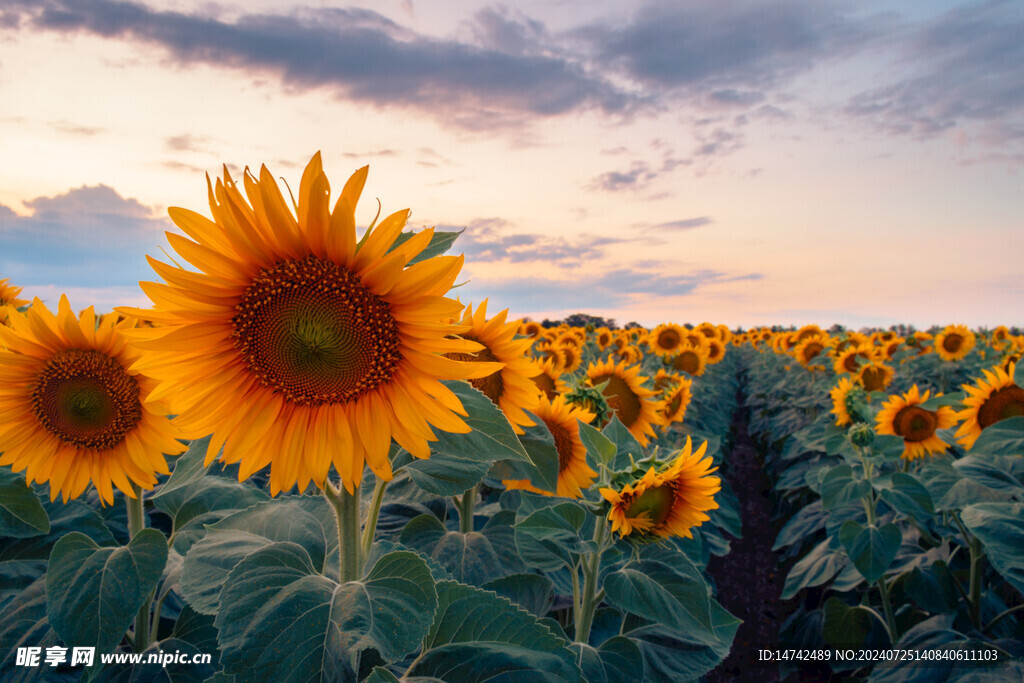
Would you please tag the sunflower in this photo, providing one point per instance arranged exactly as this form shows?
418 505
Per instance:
629 354
850 359
903 416
676 400
667 503
603 338
572 356
808 349
875 376
547 377
808 331
992 399
632 402
73 408
531 329
547 351
511 387
9 297
563 421
708 330
666 338
691 359
297 346
663 380
724 333
839 394
954 342
716 351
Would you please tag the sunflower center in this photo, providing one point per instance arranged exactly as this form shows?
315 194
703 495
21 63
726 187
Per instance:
952 342
491 385
656 502
563 444
309 329
620 398
1002 404
668 339
86 399
873 378
914 423
812 350
688 362
546 385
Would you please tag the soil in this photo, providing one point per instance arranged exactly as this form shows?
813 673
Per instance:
750 578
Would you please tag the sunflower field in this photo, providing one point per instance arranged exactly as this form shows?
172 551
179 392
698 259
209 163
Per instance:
308 461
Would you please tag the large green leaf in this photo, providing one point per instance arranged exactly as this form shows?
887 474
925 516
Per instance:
446 475
840 487
541 466
1005 437
553 536
467 557
684 655
675 596
909 496
626 444
95 592
599 447
22 624
817 567
844 626
21 513
204 495
1000 527
189 467
477 636
871 548
618 660
532 592
491 438
281 621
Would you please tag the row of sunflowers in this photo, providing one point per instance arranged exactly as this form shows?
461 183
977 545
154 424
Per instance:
331 470
899 481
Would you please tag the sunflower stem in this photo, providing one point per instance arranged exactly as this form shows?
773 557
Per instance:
977 556
589 599
136 523
890 621
346 509
370 529
466 510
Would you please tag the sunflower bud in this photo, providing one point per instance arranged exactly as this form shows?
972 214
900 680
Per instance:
862 435
591 398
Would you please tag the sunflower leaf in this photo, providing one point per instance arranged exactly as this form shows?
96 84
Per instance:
1005 437
839 488
467 557
492 437
871 548
599 447
94 592
541 467
554 536
478 636
674 596
818 566
21 513
618 659
1000 526
23 623
671 655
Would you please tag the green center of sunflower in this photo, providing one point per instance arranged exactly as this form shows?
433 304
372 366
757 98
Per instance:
914 423
1002 404
86 399
656 502
620 397
491 385
311 330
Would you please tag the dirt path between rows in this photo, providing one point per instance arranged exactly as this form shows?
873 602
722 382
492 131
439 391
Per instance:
749 578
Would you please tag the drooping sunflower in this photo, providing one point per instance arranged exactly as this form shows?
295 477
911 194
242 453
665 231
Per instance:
676 400
666 338
875 376
548 378
667 503
633 403
72 408
510 388
903 416
563 421
839 395
9 297
297 346
994 398
691 359
954 342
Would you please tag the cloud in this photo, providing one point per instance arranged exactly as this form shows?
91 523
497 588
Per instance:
967 68
637 177
365 56
89 237
489 240
682 224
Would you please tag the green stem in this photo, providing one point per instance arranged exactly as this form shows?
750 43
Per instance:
1003 615
346 509
466 510
977 556
136 523
370 529
890 621
589 599
577 605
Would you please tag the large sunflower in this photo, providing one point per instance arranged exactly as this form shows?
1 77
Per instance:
903 416
563 421
298 346
992 399
73 410
954 342
510 388
667 503
632 402
666 338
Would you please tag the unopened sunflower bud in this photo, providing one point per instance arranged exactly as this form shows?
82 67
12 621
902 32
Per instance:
862 435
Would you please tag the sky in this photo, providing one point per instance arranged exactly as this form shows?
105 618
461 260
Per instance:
747 163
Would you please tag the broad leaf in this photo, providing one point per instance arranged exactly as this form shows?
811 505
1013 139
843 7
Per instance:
532 592
1000 527
871 548
618 660
491 438
467 557
840 487
21 513
675 596
684 655
817 567
599 446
